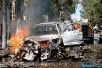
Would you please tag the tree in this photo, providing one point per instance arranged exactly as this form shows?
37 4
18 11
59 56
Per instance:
62 9
92 10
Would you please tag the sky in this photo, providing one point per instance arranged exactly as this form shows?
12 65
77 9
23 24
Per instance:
77 13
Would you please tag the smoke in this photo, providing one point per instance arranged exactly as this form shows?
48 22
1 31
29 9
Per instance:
36 10
33 12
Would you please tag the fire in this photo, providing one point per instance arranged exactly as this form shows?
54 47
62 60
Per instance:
17 39
44 44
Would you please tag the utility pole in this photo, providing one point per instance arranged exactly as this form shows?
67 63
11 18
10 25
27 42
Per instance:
13 23
13 11
4 25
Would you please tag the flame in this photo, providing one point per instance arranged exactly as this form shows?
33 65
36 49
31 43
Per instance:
17 38
44 44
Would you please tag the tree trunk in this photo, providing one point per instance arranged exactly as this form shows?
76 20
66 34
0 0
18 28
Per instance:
4 25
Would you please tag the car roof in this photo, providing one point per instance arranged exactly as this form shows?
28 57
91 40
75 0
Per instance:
48 23
43 24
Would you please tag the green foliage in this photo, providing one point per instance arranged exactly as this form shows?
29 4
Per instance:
62 9
92 10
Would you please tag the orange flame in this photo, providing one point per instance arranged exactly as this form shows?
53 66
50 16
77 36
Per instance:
44 44
17 39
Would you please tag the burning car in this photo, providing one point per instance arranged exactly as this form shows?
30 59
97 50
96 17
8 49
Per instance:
43 41
50 36
44 32
47 35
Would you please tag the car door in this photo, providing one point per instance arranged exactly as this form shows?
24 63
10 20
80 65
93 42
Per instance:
70 35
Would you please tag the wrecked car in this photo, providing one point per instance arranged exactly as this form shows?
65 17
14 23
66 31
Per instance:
48 37
45 41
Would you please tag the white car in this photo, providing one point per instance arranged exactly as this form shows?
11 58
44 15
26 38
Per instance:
49 36
45 31
54 32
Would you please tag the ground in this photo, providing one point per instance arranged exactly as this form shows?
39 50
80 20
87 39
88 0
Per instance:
89 57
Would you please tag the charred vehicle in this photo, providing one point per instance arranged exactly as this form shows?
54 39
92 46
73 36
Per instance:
48 37
52 40
45 41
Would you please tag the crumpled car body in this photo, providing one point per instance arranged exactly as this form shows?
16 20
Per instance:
45 34
44 39
54 32
30 49
50 35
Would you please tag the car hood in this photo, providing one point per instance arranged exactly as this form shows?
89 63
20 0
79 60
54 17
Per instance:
42 37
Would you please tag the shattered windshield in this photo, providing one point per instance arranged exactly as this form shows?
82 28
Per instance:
43 30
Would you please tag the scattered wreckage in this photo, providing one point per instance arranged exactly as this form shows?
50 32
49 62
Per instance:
45 42
47 38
